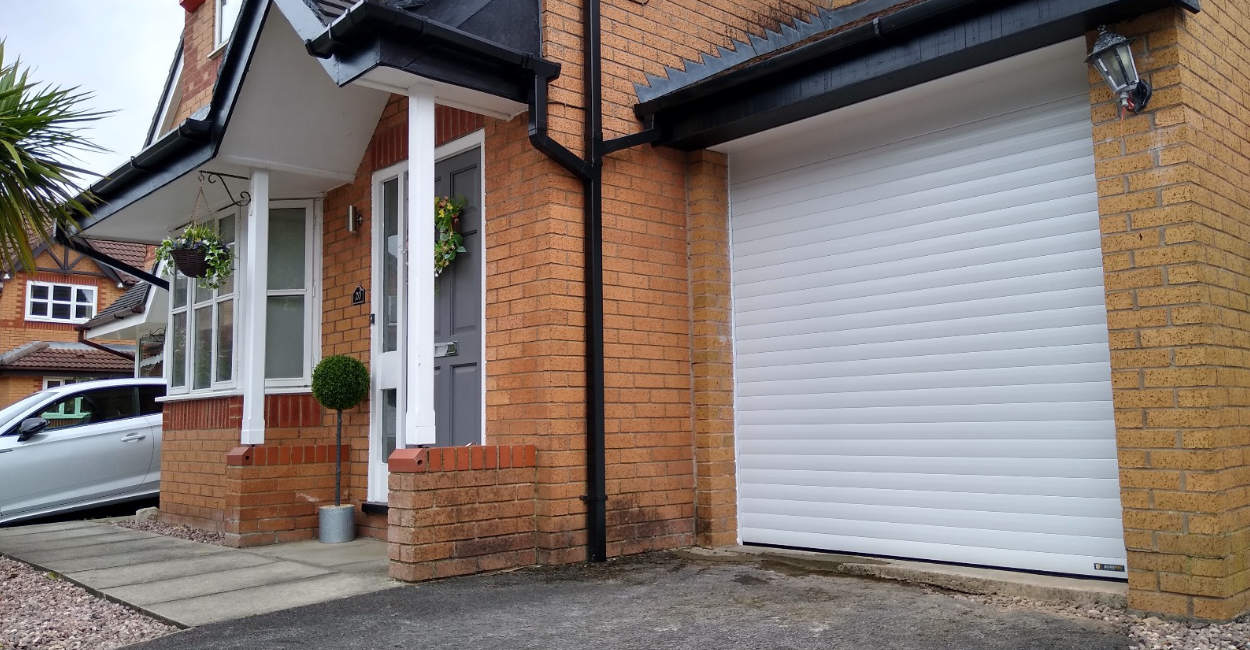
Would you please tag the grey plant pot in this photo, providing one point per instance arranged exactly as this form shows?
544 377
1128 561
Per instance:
336 524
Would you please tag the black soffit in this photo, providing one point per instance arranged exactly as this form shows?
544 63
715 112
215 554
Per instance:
840 57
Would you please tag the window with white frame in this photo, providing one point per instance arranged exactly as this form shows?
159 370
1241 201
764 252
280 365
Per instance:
227 14
201 339
59 303
201 326
289 328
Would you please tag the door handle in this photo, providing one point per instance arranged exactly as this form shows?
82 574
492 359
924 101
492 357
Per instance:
133 437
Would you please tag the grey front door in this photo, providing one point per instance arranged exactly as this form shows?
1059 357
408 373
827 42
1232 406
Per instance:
458 311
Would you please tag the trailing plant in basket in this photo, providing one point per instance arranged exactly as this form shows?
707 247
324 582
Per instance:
450 242
339 382
198 253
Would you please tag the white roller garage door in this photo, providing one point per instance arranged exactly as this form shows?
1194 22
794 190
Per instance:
920 335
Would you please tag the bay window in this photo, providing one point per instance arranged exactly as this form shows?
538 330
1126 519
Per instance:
201 323
202 340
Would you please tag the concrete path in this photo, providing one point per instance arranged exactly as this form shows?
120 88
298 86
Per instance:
189 583
663 600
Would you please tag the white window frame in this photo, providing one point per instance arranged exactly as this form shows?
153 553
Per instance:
222 31
311 293
214 386
73 304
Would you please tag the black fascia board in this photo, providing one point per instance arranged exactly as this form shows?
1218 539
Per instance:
371 34
912 46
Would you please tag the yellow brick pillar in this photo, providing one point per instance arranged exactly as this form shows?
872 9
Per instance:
1174 190
707 232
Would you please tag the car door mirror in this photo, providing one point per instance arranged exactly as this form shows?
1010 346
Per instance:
30 427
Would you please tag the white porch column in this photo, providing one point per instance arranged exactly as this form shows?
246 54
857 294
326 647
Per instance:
419 338
254 283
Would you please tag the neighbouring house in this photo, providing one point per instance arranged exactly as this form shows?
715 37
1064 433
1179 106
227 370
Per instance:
138 317
878 277
44 306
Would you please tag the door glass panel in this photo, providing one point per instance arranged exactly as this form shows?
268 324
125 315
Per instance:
390 424
202 375
286 248
284 337
390 265
178 349
225 339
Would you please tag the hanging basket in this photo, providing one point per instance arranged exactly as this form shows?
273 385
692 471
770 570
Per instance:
191 262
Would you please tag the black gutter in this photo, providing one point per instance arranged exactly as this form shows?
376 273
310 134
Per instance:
76 244
590 170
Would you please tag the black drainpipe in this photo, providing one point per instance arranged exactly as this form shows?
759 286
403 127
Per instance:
590 170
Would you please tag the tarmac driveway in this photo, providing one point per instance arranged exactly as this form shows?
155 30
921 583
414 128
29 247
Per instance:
664 600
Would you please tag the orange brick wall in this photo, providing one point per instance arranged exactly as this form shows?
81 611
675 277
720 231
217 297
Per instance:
196 436
200 61
1174 187
272 491
461 510
15 387
201 487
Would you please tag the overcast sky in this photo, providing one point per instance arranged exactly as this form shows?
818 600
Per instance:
119 50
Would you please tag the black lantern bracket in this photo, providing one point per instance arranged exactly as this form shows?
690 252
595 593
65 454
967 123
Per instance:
212 178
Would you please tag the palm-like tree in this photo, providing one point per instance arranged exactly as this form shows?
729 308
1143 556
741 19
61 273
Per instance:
39 131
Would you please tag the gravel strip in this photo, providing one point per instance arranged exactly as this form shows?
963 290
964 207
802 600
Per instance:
170 530
1144 632
39 610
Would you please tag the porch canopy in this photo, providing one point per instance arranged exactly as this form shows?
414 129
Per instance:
301 87
308 119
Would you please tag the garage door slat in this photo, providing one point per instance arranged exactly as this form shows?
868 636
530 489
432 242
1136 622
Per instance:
1104 507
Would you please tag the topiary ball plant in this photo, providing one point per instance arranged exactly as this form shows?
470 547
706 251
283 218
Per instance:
339 382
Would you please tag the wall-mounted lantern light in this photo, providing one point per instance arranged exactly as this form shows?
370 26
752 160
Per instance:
1112 57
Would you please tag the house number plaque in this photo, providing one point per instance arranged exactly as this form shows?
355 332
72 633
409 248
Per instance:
358 296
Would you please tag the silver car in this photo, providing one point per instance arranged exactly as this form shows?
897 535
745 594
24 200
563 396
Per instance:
80 445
